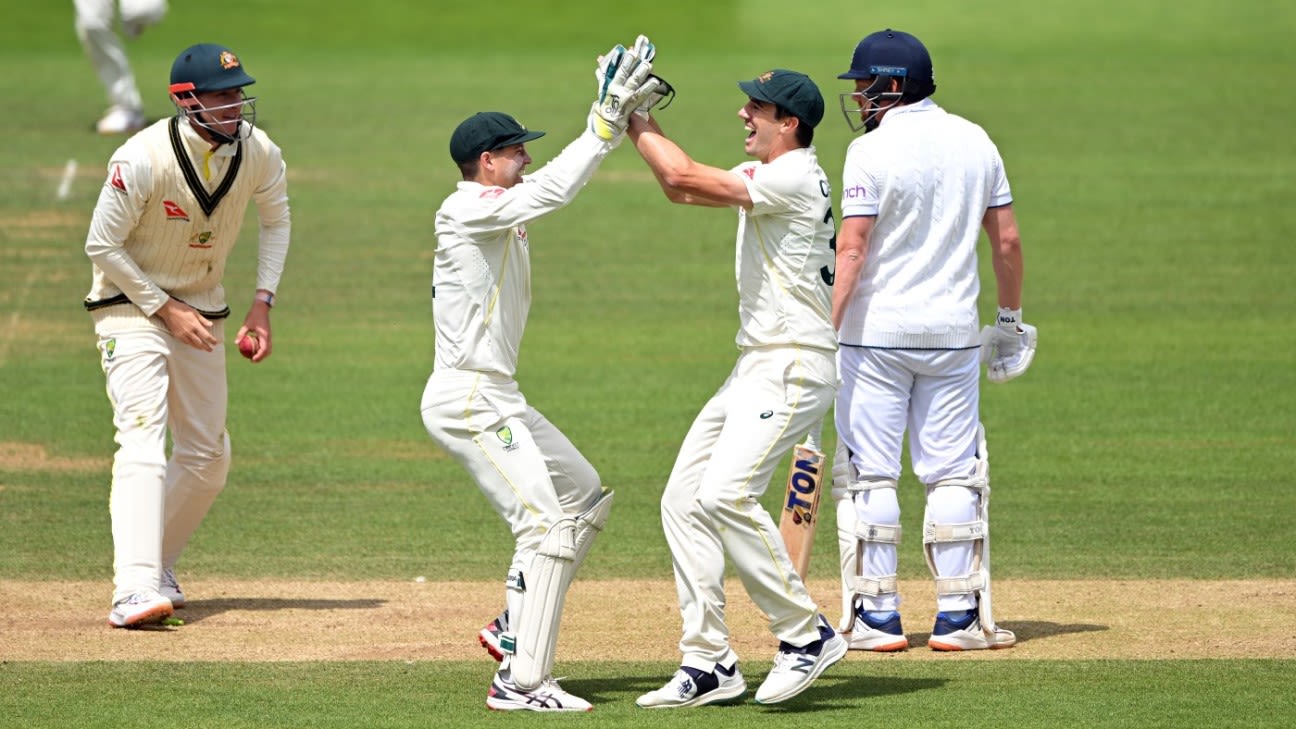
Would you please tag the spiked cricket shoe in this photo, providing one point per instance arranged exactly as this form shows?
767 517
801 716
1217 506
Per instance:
120 120
884 635
492 636
140 608
962 632
504 695
170 589
796 667
694 687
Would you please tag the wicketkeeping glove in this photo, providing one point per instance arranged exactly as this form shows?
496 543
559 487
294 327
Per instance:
1008 347
646 51
663 92
627 81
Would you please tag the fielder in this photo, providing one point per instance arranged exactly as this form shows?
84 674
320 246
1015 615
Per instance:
531 474
167 218
917 189
780 388
103 46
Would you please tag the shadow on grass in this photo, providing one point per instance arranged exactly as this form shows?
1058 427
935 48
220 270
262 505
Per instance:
827 692
196 611
1026 630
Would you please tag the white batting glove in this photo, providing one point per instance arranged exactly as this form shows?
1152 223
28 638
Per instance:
1008 347
627 82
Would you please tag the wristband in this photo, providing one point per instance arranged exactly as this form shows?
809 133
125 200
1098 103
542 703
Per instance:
265 297
1008 318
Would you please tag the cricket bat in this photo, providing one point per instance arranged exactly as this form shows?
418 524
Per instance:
801 502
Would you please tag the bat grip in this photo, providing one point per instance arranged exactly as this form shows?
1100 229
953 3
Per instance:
812 437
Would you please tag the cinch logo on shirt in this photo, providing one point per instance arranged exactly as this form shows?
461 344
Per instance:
492 192
174 212
852 193
116 179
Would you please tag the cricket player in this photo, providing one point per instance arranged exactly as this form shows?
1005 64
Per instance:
103 46
528 470
166 221
781 386
918 188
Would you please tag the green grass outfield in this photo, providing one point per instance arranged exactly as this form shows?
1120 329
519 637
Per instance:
1153 165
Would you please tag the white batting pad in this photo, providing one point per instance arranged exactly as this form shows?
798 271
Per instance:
546 592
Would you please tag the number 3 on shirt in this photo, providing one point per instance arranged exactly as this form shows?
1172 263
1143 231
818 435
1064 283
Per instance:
829 275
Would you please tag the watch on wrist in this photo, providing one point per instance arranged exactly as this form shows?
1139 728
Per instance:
265 297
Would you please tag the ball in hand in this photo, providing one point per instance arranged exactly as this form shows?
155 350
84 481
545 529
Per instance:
247 346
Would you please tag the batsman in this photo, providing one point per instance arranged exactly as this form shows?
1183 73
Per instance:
918 188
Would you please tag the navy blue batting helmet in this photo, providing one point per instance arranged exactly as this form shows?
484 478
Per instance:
892 53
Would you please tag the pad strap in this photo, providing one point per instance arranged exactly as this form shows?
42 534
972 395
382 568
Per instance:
875 586
868 484
878 533
970 531
965 585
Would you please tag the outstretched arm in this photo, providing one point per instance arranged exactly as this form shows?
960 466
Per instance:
682 179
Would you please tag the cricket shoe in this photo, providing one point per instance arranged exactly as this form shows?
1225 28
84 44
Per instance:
504 695
795 668
693 687
140 608
120 120
880 634
494 637
961 631
170 589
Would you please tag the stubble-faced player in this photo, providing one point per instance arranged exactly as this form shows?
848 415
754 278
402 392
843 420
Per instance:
781 386
166 221
528 470
917 190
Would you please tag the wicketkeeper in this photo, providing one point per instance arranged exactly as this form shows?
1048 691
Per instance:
472 407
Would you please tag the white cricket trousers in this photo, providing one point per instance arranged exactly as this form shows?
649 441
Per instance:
710 508
530 473
158 384
95 29
935 396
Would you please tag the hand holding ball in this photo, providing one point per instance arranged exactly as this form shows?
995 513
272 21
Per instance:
247 346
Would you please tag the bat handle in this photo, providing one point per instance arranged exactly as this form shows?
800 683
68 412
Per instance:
812 437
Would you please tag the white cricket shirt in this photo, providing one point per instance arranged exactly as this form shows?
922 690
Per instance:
168 216
928 176
785 256
481 276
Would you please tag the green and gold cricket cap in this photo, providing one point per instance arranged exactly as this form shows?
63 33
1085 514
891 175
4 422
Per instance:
487 131
791 90
208 67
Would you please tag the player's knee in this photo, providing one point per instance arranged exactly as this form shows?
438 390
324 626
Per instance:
208 463
713 502
677 502
878 506
949 504
92 23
